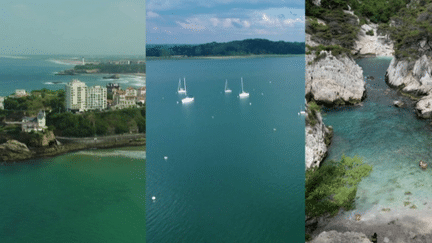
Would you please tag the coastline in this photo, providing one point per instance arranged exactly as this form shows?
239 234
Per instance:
222 57
56 150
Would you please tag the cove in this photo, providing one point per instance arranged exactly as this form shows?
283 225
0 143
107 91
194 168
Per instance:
393 140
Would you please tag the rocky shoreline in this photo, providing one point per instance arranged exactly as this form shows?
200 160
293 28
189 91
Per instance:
14 151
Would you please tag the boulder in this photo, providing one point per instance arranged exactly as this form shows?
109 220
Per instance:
398 103
423 165
13 150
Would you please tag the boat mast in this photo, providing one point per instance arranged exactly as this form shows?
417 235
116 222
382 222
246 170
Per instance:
242 84
184 79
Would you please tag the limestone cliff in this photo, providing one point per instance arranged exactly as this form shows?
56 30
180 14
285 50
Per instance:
334 80
413 77
379 45
317 140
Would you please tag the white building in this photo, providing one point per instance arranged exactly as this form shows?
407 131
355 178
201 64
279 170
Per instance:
121 100
131 92
1 103
76 95
96 98
20 92
37 123
142 91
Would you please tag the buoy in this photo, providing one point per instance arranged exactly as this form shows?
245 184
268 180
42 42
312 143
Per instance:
153 198
274 129
250 103
165 157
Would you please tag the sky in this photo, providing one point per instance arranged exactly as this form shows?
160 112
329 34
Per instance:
198 21
45 27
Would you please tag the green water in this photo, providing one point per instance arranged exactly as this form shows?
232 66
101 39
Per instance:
89 196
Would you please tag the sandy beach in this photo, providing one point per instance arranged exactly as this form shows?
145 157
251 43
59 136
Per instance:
399 225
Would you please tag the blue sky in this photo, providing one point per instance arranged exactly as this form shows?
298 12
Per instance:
72 27
197 21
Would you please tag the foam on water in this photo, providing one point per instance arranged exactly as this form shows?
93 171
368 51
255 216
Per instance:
128 154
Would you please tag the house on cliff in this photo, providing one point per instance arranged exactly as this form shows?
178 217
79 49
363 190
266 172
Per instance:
37 123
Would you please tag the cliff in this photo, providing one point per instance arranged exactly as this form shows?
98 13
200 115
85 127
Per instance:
334 80
370 43
13 150
413 78
317 139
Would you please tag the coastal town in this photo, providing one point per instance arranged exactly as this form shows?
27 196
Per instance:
47 122
81 98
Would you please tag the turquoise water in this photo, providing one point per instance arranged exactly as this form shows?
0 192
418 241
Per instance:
89 196
37 72
234 170
390 139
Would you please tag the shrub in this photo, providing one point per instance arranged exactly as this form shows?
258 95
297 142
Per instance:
334 186
370 32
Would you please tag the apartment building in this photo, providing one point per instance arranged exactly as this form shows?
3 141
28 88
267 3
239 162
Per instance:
96 98
76 95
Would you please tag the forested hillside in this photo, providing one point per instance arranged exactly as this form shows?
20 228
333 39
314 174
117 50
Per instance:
244 47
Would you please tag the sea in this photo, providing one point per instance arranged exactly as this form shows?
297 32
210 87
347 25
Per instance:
86 196
34 72
391 139
221 168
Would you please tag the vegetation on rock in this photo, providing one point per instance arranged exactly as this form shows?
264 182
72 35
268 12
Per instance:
333 186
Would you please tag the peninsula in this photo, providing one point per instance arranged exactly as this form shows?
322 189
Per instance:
135 67
45 123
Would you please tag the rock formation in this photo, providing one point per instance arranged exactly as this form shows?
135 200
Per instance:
413 78
14 150
334 80
375 44
336 237
317 140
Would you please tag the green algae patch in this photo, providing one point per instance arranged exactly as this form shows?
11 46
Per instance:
333 186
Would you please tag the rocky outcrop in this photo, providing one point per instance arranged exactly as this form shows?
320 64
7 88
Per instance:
336 237
14 150
413 78
317 139
334 80
372 44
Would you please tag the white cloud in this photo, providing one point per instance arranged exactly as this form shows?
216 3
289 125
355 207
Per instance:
151 14
192 24
214 21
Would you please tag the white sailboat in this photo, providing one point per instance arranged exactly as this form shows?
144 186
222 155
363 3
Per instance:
180 90
186 99
226 87
243 94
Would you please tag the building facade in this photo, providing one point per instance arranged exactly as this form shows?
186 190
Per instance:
76 95
96 98
37 123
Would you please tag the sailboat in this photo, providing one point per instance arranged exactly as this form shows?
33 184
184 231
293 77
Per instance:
180 90
226 87
186 99
243 94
